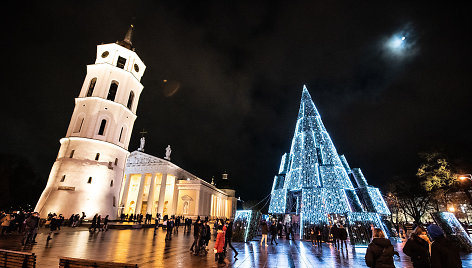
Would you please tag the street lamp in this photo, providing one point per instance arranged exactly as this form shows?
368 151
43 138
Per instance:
451 209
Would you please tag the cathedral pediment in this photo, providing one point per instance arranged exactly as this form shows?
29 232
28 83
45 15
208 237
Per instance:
139 158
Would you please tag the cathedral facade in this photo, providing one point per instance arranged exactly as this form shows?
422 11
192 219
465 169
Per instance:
159 187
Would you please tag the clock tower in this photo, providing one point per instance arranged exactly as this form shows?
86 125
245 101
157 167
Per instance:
88 171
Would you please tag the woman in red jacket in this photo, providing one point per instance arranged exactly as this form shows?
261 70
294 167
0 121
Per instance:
219 244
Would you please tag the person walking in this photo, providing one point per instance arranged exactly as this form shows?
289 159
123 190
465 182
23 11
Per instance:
319 235
342 236
228 237
280 228
196 226
5 222
273 233
219 244
52 226
334 233
31 228
417 248
93 226
156 224
312 236
380 251
443 252
208 233
264 231
105 224
99 221
170 227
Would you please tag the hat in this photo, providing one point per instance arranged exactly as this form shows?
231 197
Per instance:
435 231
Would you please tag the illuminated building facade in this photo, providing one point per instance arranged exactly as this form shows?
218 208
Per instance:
89 167
157 186
316 183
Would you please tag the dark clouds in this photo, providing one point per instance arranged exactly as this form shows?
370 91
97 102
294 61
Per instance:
241 67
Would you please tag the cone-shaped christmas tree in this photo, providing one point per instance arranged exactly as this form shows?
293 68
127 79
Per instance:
314 181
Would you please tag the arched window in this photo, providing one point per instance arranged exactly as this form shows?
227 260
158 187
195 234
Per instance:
130 100
78 124
120 139
112 91
91 87
102 127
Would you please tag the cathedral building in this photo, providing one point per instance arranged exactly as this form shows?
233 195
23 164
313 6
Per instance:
89 172
159 187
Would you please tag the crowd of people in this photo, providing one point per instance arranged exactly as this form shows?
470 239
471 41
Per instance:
223 233
427 246
26 223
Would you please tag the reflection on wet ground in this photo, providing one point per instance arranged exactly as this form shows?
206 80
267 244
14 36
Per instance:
143 248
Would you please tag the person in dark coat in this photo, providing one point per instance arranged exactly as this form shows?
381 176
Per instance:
334 233
312 236
380 251
417 248
318 235
94 223
273 233
443 252
196 231
105 224
228 237
342 236
52 226
31 229
264 231
207 233
99 220
170 226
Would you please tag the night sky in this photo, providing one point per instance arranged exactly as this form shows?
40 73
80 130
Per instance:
239 69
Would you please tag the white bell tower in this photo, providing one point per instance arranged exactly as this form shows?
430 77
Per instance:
87 174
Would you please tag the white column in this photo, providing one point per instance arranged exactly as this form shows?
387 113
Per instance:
124 196
139 202
175 198
197 203
212 206
150 202
162 193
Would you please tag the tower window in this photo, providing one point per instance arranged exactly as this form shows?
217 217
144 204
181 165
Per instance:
116 161
71 153
91 87
130 100
111 183
78 125
97 156
102 127
112 91
121 135
121 62
114 201
89 180
63 178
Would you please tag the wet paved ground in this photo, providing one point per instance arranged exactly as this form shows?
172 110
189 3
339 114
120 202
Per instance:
146 250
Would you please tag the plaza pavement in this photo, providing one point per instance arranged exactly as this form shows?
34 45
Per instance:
141 247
